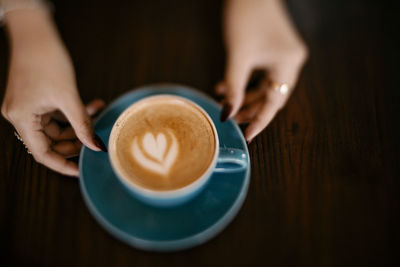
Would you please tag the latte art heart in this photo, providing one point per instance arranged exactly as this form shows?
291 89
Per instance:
155 147
157 156
162 143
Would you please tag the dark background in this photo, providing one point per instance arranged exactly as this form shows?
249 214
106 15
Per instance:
324 188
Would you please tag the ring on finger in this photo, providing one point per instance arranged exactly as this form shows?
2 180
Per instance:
282 88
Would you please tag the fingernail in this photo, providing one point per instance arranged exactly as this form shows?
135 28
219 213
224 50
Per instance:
226 111
99 143
249 141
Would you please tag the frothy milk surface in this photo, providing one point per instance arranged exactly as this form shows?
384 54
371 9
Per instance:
164 143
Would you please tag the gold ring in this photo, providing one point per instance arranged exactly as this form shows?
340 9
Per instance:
20 139
282 88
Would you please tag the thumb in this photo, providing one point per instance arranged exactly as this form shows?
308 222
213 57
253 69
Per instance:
236 77
76 114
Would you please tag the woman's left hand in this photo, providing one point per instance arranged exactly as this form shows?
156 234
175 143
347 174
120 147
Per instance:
259 36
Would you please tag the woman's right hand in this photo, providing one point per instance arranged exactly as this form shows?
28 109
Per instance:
41 91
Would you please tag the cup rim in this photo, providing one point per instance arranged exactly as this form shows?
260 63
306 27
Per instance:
164 194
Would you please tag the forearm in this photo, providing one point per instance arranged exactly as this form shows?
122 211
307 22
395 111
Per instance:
246 19
29 30
37 52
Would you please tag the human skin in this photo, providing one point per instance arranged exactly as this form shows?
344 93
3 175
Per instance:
259 36
41 90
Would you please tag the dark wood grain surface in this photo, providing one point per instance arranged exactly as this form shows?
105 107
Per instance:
324 187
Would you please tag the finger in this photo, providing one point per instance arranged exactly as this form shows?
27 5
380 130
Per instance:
92 109
94 106
236 77
68 148
284 72
45 119
271 105
80 121
245 116
57 133
39 145
255 95
220 88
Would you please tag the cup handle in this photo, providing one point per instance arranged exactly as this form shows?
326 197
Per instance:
231 160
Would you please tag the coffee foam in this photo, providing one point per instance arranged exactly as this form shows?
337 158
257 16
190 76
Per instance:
155 157
164 143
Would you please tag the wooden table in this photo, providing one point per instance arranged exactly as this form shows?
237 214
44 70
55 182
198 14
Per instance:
324 187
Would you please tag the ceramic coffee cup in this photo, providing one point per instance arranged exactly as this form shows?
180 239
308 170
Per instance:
156 142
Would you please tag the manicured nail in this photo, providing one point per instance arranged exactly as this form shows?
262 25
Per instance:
249 141
99 143
226 111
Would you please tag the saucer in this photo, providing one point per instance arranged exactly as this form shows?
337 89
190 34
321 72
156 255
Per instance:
155 228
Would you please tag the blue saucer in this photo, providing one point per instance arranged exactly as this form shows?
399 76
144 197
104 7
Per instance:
153 228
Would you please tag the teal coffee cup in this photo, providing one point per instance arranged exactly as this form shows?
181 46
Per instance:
156 134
